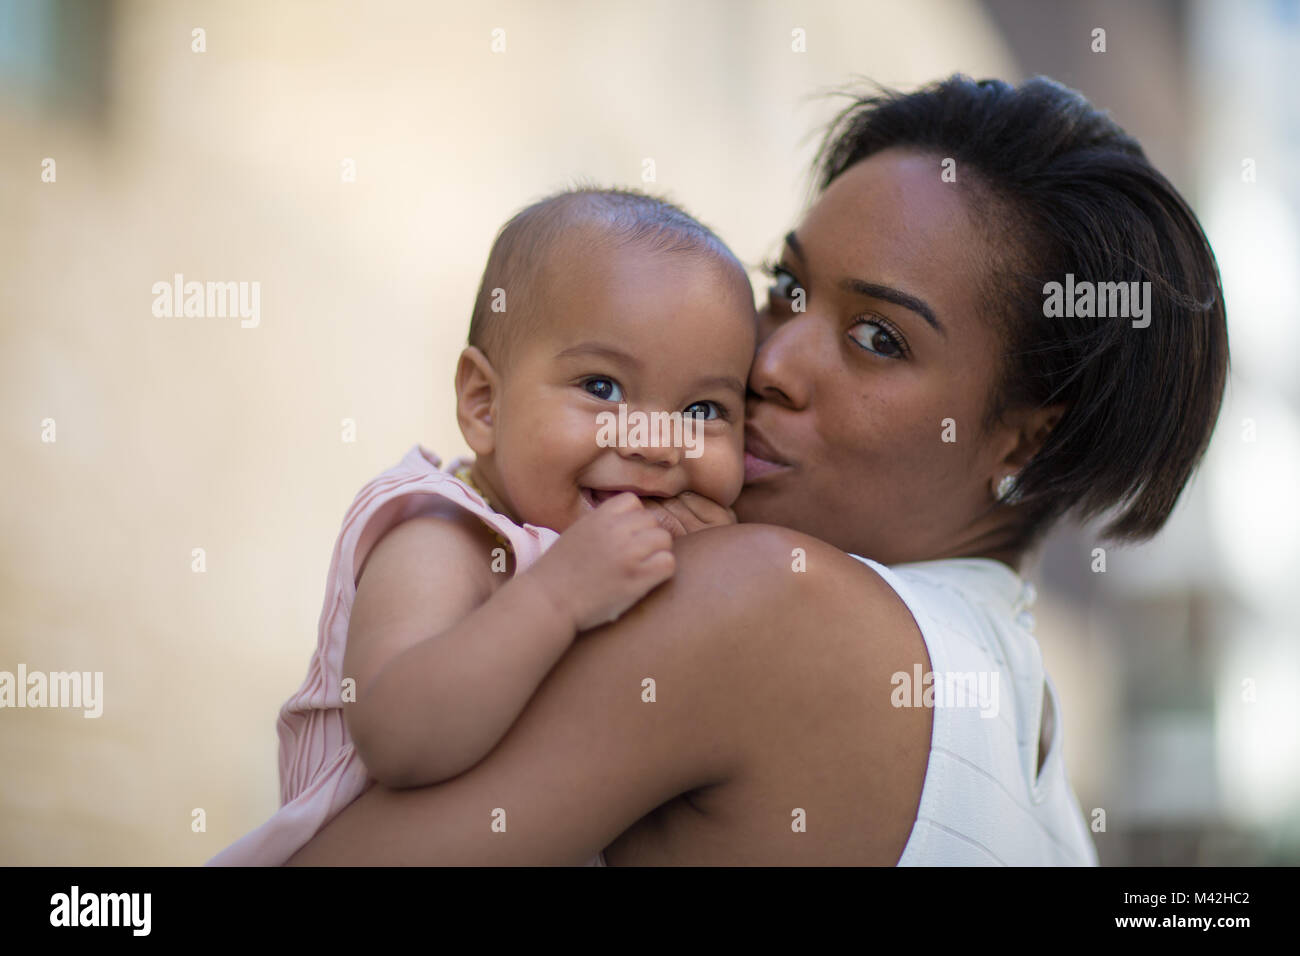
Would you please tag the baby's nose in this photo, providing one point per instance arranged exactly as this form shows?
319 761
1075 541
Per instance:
658 438
663 454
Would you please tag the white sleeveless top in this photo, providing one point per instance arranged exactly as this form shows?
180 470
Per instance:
983 802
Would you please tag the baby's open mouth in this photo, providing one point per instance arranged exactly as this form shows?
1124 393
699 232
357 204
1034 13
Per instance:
594 497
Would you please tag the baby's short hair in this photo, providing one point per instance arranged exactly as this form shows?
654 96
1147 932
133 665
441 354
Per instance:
516 266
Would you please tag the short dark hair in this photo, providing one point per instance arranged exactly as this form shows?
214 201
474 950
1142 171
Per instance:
522 250
1073 193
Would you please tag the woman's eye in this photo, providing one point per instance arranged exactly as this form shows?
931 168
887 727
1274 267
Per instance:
605 388
784 284
702 410
875 337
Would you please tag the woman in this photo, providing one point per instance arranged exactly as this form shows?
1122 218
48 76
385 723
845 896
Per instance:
912 402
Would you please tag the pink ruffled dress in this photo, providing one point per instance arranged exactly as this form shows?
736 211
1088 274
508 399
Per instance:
320 771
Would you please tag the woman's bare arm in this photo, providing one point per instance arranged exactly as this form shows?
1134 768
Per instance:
589 757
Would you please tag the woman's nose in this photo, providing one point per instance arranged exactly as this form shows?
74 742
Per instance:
782 361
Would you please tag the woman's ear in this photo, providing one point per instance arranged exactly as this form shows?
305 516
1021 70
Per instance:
477 389
1026 433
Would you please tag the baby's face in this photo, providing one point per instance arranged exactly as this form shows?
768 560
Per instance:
652 332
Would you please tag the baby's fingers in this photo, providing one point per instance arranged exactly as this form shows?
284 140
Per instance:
672 519
625 503
658 568
647 541
695 512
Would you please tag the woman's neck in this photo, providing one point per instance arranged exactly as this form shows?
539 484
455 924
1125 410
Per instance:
998 541
1011 557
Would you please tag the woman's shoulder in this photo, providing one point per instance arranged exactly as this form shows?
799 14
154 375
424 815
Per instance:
775 564
802 644
793 594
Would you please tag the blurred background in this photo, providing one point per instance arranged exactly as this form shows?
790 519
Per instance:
356 160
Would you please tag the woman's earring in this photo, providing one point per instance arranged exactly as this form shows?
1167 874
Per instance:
1006 492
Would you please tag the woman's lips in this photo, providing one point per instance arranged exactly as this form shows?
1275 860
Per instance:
756 468
760 459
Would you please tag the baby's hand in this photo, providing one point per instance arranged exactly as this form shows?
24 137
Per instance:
689 512
607 561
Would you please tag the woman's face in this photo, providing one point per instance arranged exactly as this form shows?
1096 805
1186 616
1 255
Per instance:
864 419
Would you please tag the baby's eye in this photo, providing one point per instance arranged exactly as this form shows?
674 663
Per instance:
605 388
702 410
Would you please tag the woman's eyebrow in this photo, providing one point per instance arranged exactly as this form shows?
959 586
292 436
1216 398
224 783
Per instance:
875 290
897 296
793 242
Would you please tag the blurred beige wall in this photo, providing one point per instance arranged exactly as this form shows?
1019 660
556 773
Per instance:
181 433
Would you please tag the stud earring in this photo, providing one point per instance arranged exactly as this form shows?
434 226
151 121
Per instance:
1006 492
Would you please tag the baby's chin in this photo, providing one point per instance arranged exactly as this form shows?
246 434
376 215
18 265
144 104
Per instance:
560 515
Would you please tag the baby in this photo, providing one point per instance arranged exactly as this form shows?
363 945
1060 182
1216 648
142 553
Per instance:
603 394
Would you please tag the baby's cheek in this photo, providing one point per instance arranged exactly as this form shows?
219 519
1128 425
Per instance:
719 471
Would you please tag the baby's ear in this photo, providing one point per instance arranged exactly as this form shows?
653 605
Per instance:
477 386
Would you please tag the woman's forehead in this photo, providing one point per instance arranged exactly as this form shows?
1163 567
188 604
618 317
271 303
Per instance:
892 218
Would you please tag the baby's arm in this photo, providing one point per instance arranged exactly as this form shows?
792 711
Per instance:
443 665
